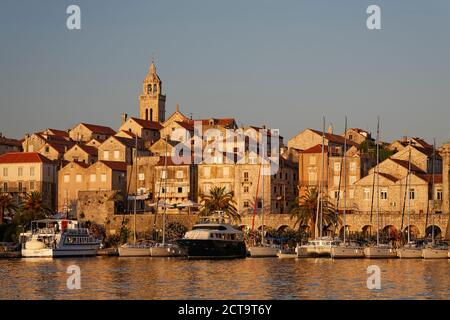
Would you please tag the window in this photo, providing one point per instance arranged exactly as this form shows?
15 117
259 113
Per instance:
93 177
32 171
179 174
246 204
337 167
439 194
312 175
20 185
337 194
47 149
207 188
20 171
226 172
5 172
337 180
352 166
116 154
163 174
141 177
366 194
78 178
163 190
246 176
180 189
5 186
246 189
106 155
31 185
383 194
352 180
412 194
312 160
103 177
351 194
66 178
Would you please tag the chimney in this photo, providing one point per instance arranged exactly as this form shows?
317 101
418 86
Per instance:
124 118
330 129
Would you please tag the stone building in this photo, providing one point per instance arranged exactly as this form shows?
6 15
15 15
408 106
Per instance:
84 132
121 149
9 145
81 153
79 176
358 135
152 103
25 172
309 138
145 129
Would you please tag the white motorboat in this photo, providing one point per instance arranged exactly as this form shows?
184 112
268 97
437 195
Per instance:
435 252
166 250
59 238
380 251
319 247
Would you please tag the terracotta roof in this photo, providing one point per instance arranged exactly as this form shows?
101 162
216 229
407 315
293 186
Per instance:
10 142
128 133
99 129
115 165
316 149
405 164
78 163
126 141
219 122
429 177
93 151
57 132
60 148
429 152
147 124
24 157
334 138
186 125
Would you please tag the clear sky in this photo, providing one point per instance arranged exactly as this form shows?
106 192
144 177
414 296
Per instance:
280 63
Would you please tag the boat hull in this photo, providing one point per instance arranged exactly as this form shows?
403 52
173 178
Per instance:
263 252
431 253
380 253
347 252
409 253
55 253
213 249
166 251
302 252
134 252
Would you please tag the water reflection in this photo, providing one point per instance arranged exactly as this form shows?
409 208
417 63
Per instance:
162 278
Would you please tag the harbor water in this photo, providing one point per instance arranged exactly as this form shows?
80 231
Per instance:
265 278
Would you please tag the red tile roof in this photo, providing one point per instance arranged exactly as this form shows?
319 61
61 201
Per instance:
128 133
61 133
147 124
429 177
126 141
93 151
219 122
115 165
335 138
24 157
10 142
186 125
316 149
99 129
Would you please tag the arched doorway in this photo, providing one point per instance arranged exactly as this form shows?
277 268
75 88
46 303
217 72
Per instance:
414 233
390 232
368 231
348 229
429 232
282 228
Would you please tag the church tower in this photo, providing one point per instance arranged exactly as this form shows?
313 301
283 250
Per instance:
152 103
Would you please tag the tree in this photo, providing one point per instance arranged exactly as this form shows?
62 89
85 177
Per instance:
7 203
33 202
219 199
305 208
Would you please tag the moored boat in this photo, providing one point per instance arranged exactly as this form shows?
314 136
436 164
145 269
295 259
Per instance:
263 251
347 251
435 252
59 238
410 251
134 250
166 250
380 251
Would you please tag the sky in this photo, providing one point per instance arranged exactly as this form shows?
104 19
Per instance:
285 64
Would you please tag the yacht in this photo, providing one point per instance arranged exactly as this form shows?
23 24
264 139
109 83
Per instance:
263 251
435 251
166 250
347 250
286 253
411 250
319 247
135 250
380 251
213 240
59 238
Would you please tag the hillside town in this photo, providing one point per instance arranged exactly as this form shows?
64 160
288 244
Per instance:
95 173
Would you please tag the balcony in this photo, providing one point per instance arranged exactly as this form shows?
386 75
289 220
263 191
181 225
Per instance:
13 190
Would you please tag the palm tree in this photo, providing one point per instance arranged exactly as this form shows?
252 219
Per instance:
7 203
305 208
219 199
34 203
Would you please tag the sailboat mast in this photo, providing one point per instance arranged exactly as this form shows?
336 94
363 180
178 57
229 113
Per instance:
262 196
322 184
165 196
378 181
135 194
345 180
432 190
408 186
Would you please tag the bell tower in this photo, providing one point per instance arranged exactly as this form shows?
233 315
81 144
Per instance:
152 103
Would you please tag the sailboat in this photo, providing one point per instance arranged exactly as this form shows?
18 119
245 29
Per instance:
434 250
319 246
165 249
410 250
346 249
379 251
262 250
135 249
